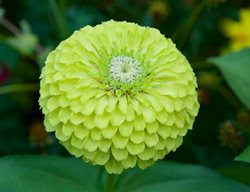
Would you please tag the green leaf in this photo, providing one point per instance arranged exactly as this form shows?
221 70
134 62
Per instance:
239 173
173 177
46 174
235 67
51 174
244 156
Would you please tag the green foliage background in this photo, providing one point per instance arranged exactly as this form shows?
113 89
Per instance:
29 30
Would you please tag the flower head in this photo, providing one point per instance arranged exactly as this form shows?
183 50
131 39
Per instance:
238 31
118 95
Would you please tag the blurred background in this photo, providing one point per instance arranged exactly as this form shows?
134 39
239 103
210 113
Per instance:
30 29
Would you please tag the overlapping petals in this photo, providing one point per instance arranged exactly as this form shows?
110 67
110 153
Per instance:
125 125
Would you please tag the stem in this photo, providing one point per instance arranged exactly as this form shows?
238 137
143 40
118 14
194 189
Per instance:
11 27
184 30
18 88
110 183
60 19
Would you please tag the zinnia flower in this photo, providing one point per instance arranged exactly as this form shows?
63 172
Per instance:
118 95
238 31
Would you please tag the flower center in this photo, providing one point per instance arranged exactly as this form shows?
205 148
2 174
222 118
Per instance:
124 69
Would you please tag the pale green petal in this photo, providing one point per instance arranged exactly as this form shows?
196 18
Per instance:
126 129
64 114
119 154
116 118
119 141
161 144
76 106
155 103
89 122
160 154
63 101
171 119
153 127
137 107
74 94
102 158
112 104
109 132
52 103
89 107
129 162
147 154
67 129
178 142
75 142
148 114
145 164
164 131
88 95
130 115
90 155
60 136
151 139
112 166
54 89
77 118
183 132
53 118
135 149
142 100
178 104
162 117
66 85
137 136
179 120
48 125
189 102
80 132
139 123
100 105
170 144
102 121
104 145
72 150
168 104
123 104
96 134
174 132
90 144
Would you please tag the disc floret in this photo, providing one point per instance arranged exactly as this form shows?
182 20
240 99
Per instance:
124 74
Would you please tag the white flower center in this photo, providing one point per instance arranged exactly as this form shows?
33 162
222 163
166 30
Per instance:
124 69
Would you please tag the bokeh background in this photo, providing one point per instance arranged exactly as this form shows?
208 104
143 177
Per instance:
30 29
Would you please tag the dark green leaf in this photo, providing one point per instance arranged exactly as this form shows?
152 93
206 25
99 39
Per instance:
244 156
235 67
175 177
46 174
239 173
8 55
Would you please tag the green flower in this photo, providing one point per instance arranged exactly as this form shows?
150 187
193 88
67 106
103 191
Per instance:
118 95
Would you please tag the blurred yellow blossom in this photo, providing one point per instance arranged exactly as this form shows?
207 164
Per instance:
238 31
159 10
